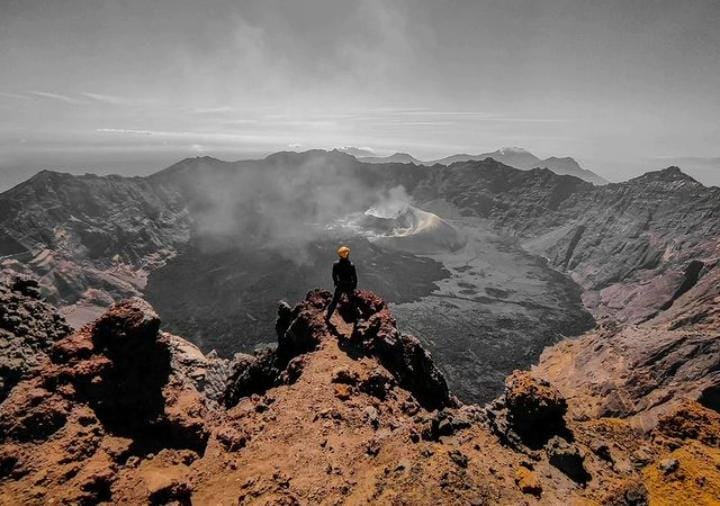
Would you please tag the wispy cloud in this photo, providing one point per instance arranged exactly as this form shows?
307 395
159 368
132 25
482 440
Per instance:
56 96
107 99
239 122
128 131
480 116
213 110
14 95
425 123
397 115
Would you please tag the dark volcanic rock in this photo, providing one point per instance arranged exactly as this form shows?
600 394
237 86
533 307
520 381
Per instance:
633 247
446 423
301 329
28 329
402 354
205 294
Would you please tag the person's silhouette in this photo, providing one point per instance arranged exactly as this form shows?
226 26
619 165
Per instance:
345 278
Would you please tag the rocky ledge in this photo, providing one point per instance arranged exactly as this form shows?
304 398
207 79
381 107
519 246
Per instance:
120 412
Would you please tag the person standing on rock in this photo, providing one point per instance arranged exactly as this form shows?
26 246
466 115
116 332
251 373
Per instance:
345 279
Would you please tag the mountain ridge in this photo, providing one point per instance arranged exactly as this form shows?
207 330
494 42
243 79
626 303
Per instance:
513 157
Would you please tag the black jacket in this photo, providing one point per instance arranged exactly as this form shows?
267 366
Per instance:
344 274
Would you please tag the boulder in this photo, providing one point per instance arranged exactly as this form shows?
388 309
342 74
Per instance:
300 329
536 408
377 383
627 493
459 458
345 376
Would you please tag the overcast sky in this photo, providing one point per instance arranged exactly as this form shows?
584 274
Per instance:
133 86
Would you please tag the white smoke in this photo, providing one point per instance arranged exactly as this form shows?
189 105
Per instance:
285 203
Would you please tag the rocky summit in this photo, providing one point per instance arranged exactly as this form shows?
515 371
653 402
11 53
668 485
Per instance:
119 412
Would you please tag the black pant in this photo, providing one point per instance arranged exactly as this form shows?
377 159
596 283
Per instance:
339 291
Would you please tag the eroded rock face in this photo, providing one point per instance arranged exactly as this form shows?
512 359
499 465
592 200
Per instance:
641 372
208 373
251 374
28 328
120 367
90 239
111 392
402 354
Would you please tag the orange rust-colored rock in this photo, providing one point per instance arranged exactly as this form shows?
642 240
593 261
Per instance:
528 482
344 414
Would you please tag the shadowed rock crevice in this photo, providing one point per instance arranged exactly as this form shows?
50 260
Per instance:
690 279
577 235
710 398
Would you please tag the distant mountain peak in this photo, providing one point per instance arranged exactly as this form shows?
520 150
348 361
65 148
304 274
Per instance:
47 177
672 174
357 151
397 157
513 149
312 154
